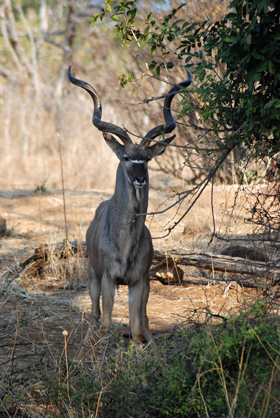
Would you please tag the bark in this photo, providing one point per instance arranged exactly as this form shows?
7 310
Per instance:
223 263
247 272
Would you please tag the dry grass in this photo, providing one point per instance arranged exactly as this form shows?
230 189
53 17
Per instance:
44 317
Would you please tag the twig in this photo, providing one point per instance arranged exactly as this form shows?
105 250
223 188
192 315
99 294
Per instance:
63 189
12 354
212 211
8 282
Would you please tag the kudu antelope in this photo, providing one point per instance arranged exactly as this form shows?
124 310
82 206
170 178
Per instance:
120 248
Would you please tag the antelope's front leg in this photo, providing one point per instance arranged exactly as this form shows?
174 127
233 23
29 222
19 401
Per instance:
108 287
94 284
135 308
144 319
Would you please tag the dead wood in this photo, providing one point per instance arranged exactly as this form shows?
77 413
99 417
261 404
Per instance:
3 226
166 268
241 251
258 270
46 252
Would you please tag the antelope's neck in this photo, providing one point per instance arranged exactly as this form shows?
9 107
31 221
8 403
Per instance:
127 202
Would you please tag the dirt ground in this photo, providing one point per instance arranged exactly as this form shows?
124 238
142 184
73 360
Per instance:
36 309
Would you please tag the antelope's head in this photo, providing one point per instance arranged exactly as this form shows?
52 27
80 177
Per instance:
133 157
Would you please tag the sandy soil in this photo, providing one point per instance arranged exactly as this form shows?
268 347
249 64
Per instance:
52 303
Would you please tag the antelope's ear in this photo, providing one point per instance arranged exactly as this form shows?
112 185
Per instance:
159 147
114 144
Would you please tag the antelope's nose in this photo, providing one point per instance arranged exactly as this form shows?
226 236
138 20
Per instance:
140 181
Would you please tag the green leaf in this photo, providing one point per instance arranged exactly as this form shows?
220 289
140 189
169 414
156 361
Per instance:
157 71
248 39
188 59
152 65
231 16
146 30
261 67
272 103
132 13
271 67
258 56
94 18
232 39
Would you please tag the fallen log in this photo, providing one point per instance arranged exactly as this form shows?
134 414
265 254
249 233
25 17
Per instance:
222 263
166 264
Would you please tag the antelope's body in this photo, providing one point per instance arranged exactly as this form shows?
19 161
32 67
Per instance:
119 244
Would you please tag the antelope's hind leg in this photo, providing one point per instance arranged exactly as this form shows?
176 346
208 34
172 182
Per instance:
94 285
